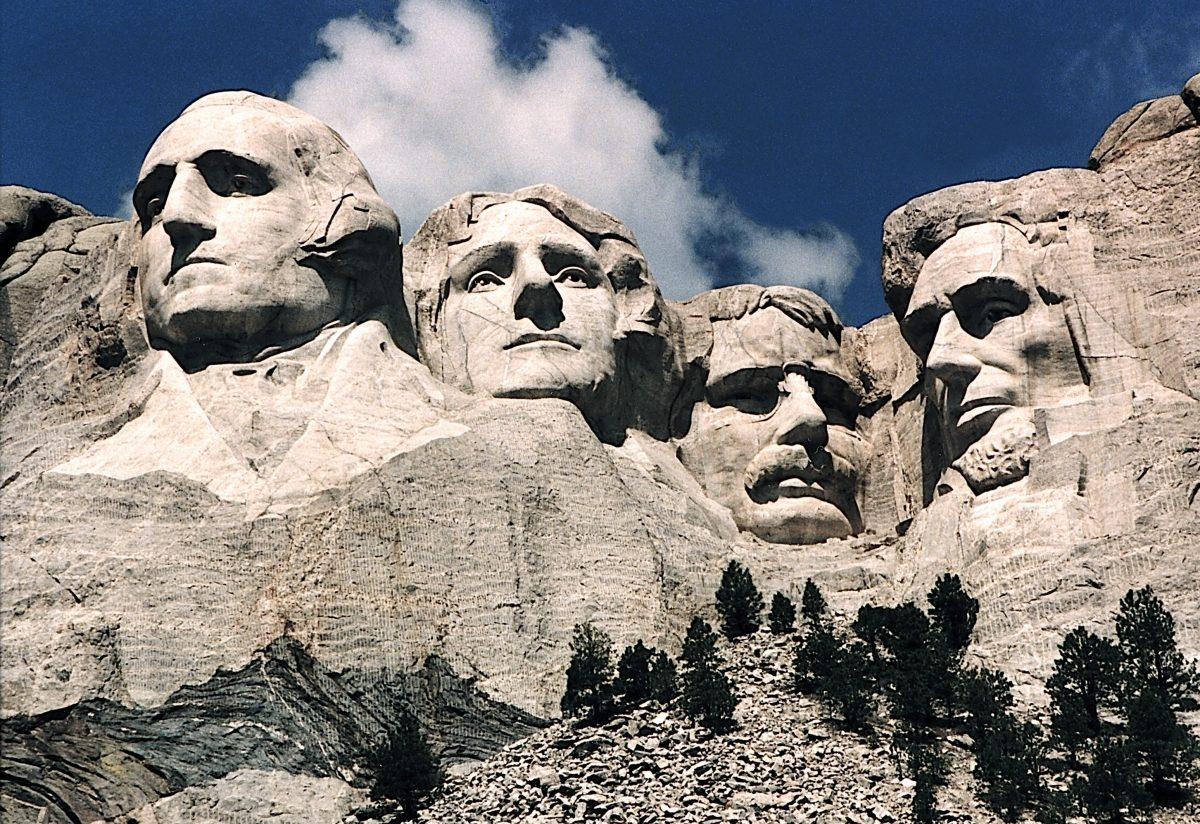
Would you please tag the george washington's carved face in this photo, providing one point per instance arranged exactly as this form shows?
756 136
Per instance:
223 209
773 438
994 349
530 311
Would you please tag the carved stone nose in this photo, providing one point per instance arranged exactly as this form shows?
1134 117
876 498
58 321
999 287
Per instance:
536 297
950 359
800 419
187 215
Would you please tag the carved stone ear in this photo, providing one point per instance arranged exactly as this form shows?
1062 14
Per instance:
638 297
357 237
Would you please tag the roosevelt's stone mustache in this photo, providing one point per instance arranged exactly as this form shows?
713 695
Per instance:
779 462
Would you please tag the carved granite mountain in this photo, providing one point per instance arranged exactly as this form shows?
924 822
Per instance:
183 641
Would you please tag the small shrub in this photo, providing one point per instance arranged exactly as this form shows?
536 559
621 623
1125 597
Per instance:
1008 763
815 657
1110 787
739 602
812 602
985 695
632 683
589 675
662 682
707 696
953 612
405 768
782 618
926 766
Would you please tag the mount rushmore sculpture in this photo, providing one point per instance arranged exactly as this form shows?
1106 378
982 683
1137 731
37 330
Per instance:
267 473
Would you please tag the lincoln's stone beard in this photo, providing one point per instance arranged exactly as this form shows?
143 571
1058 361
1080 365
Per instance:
1003 456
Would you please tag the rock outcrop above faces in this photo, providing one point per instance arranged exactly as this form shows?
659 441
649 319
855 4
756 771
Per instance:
43 238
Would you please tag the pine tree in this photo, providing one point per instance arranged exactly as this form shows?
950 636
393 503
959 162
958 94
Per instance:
815 657
700 643
738 602
953 611
662 681
1083 683
1150 658
707 696
812 602
1008 763
589 675
1156 683
782 617
1110 786
633 674
405 767
918 670
985 695
848 690
1166 748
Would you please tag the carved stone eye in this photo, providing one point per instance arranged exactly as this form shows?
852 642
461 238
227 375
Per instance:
484 281
573 276
241 184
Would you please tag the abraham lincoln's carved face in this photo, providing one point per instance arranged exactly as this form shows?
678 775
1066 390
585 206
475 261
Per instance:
994 346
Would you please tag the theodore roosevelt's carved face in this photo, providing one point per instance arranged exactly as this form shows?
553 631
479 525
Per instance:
994 347
224 206
773 438
530 311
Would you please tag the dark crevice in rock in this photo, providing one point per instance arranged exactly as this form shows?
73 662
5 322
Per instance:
282 711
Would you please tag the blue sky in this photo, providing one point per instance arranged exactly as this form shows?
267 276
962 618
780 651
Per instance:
778 134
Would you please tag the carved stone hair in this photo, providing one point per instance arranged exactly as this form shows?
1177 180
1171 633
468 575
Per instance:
804 307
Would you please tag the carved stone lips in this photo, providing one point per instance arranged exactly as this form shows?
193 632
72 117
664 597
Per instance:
188 262
540 337
978 407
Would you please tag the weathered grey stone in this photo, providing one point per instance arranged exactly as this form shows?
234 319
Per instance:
226 569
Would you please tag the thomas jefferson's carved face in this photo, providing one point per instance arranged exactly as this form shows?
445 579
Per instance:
223 209
530 311
773 438
993 347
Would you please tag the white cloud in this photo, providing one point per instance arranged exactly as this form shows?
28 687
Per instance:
433 109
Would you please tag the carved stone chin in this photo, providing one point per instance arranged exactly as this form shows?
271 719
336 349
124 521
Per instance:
1001 457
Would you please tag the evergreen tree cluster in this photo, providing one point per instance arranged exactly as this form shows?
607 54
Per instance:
594 693
1115 736
1114 713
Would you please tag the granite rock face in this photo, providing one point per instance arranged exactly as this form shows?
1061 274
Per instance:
239 543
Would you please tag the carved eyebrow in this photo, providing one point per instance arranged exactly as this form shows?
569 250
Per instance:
746 376
487 255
